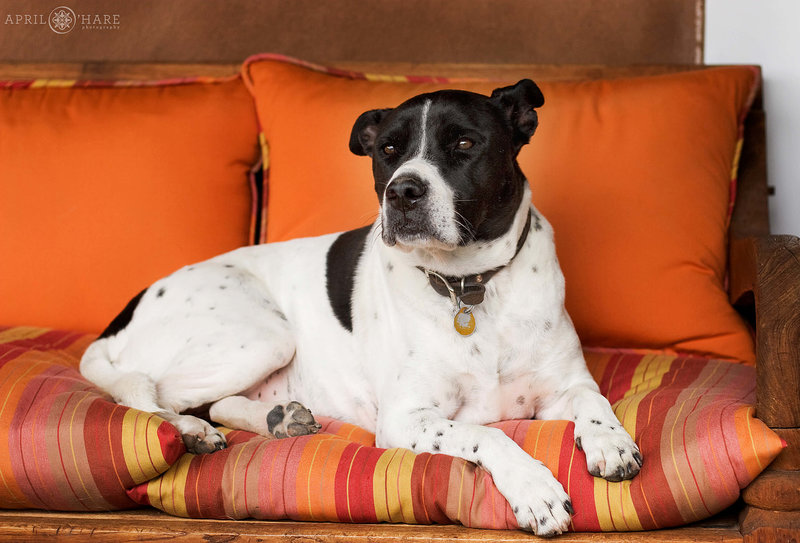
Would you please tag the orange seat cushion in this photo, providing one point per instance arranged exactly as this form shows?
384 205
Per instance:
634 174
105 189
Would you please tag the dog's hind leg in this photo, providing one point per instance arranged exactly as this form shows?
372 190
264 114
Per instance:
137 390
280 420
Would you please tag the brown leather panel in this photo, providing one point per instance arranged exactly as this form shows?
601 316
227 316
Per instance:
483 31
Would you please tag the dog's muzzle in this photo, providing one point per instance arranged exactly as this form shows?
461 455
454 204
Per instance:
403 193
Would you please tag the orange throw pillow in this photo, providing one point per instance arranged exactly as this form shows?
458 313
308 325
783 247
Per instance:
634 174
104 189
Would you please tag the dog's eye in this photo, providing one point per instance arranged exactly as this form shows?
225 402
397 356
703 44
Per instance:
464 144
389 150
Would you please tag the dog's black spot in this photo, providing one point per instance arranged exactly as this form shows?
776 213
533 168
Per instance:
436 404
414 446
535 269
439 433
548 326
390 267
550 505
537 222
280 315
222 287
542 521
610 427
595 421
568 507
124 318
341 263
274 418
190 268
451 425
436 446
242 346
479 463
188 299
211 308
578 443
228 265
520 400
516 509
475 448
160 292
475 349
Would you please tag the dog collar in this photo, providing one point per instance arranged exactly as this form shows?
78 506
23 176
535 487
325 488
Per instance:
470 289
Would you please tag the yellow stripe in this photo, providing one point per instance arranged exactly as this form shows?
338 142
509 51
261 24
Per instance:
386 78
40 83
139 430
628 510
262 140
72 442
174 486
404 490
461 489
601 504
309 472
380 486
349 471
752 439
675 462
233 481
21 332
736 156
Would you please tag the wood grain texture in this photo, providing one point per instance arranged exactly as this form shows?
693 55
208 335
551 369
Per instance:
137 71
762 526
777 297
145 525
777 490
546 31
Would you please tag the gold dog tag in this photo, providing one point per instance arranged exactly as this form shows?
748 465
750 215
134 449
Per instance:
464 322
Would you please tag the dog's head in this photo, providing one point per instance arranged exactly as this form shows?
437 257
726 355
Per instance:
445 164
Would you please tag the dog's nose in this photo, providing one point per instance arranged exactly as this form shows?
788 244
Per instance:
404 192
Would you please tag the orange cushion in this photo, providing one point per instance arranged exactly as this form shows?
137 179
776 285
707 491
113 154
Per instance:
105 189
634 174
692 418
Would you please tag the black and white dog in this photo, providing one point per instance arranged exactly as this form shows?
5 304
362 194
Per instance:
446 314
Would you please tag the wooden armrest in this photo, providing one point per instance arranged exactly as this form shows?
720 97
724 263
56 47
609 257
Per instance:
777 306
765 273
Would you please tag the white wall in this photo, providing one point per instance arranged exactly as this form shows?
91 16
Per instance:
767 32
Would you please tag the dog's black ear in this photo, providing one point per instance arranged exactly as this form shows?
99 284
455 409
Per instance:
518 103
362 138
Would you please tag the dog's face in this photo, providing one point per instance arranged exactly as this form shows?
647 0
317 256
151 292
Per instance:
445 166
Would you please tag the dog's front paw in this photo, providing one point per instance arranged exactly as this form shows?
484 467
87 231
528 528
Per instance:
291 420
610 451
537 499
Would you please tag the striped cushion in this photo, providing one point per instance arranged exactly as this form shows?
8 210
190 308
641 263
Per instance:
63 444
692 418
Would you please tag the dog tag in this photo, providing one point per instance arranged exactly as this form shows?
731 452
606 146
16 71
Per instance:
464 322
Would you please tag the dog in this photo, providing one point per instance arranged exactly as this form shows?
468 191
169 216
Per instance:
446 314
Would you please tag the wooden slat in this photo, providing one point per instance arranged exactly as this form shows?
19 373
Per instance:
143 525
156 71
